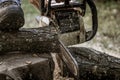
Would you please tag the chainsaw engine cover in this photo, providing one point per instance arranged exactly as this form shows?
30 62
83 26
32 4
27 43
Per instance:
70 25
68 20
67 17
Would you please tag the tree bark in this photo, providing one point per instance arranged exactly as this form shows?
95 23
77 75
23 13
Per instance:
94 65
39 40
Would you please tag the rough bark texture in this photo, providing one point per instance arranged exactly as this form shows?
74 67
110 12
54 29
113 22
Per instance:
26 66
39 40
20 56
94 65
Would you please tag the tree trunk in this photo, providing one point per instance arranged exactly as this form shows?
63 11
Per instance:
39 40
94 65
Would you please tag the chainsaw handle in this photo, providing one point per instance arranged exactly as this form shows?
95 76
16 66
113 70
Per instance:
94 19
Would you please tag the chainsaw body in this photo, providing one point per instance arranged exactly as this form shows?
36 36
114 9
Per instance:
67 19
68 16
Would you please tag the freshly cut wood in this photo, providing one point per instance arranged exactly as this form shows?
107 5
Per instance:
40 40
94 65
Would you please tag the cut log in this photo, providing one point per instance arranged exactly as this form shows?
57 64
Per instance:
26 66
94 65
40 40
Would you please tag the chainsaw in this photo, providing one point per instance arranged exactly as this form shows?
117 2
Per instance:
67 18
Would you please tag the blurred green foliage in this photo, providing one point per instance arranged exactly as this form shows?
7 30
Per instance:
109 25
30 13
